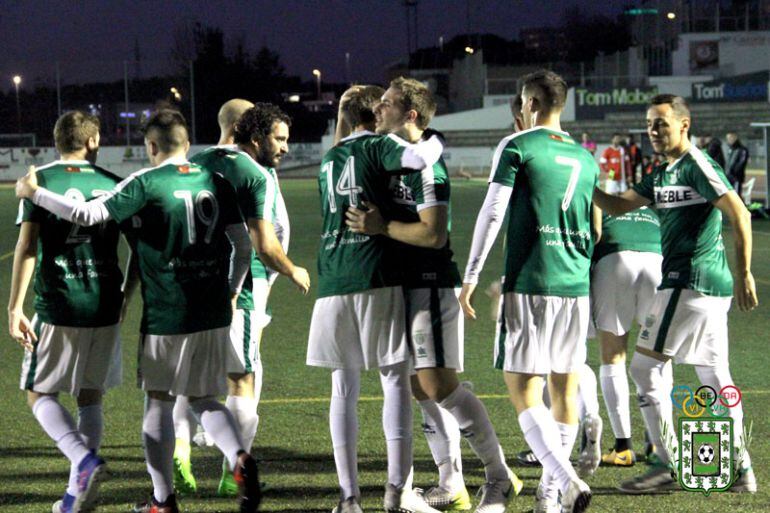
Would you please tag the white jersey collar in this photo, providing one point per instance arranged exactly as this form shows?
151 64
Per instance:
356 135
178 160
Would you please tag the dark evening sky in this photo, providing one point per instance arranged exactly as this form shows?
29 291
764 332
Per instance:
91 38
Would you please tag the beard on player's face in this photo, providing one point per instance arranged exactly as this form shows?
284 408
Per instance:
268 154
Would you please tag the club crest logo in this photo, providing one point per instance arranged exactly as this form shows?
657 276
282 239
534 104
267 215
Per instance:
706 463
703 447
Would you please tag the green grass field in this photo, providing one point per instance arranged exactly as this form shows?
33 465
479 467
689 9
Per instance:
293 441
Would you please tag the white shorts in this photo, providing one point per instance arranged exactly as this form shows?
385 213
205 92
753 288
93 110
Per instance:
71 359
541 334
615 186
246 332
689 326
435 328
191 364
623 287
358 330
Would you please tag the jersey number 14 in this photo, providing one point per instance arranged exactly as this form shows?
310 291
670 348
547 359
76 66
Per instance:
345 186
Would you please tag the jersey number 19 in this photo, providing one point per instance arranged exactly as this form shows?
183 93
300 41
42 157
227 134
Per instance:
197 209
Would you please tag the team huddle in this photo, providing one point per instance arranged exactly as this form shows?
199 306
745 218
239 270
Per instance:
209 235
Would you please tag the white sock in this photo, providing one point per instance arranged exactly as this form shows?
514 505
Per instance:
475 426
90 425
397 421
184 419
588 397
443 435
615 390
158 437
542 435
653 385
220 425
567 434
58 424
343 424
717 378
258 373
244 410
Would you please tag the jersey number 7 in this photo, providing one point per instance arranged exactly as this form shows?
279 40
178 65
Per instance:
573 179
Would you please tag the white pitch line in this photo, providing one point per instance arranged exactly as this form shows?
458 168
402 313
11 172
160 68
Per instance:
7 255
304 400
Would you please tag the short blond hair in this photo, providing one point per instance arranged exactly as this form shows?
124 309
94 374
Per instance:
358 104
416 96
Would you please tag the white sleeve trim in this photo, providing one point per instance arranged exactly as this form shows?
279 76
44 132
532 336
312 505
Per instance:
83 213
711 175
267 212
428 178
488 225
422 206
240 258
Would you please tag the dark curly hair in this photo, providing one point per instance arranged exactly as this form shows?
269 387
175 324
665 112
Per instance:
257 122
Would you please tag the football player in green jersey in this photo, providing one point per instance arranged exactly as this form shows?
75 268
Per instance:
72 342
687 321
193 254
358 318
184 419
544 179
434 320
624 277
261 137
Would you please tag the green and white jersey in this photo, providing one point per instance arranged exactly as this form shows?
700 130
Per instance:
77 278
359 169
548 243
430 187
690 226
259 197
179 214
638 230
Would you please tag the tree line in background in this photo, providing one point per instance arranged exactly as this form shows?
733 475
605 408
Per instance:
219 74
222 72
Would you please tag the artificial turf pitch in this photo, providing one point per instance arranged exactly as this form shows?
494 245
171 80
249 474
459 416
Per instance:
293 439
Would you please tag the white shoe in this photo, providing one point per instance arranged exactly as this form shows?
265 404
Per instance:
657 479
349 505
545 504
495 496
442 499
577 497
591 456
405 500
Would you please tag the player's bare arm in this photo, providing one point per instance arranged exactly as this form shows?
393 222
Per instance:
131 280
27 184
270 251
24 257
596 223
616 205
740 221
429 232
